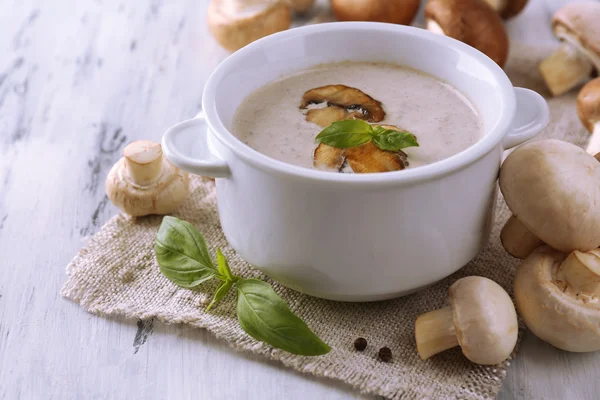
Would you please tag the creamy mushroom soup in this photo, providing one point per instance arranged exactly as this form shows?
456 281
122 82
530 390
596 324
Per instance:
283 118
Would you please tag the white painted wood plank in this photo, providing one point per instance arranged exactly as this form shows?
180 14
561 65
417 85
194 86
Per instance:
78 80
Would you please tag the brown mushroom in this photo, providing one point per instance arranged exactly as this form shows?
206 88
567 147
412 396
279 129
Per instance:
328 157
326 116
507 8
588 109
558 297
481 319
368 158
391 11
357 103
473 22
552 187
577 26
236 23
143 182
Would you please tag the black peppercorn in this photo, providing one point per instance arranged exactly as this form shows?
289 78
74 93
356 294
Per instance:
360 344
385 354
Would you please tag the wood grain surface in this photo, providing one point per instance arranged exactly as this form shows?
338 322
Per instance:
79 80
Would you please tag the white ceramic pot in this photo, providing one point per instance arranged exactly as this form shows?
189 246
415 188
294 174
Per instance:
355 237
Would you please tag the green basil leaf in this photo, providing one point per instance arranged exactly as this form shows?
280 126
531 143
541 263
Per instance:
182 254
392 140
222 290
345 134
267 318
223 266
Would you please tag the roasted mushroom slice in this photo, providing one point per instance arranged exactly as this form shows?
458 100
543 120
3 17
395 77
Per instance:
326 116
357 103
328 157
370 158
365 158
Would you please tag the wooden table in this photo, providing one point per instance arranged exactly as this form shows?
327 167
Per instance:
78 80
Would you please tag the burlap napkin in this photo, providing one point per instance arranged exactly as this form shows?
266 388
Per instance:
116 274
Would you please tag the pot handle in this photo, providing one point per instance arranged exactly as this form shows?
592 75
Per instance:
185 134
531 117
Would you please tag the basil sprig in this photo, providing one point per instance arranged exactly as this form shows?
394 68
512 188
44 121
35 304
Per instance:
354 132
183 258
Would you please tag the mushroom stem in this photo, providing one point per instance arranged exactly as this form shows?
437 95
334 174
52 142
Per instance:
435 332
566 68
143 159
517 240
581 272
594 145
434 27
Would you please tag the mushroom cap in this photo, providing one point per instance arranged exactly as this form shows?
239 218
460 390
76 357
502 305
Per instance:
580 19
484 318
236 23
588 104
553 187
562 319
472 22
392 11
161 197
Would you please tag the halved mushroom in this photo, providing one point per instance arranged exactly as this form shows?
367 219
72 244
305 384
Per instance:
356 102
507 8
472 22
588 109
558 297
577 26
236 23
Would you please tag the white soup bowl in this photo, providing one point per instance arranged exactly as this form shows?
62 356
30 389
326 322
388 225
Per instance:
355 237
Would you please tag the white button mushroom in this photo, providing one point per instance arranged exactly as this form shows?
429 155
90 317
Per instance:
236 23
481 320
144 183
577 26
391 11
552 188
472 22
507 8
517 240
588 109
559 298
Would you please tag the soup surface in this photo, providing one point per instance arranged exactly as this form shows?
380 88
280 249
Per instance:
444 122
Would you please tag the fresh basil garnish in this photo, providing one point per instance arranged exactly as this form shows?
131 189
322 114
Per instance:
392 140
222 290
345 134
182 253
183 258
223 266
355 132
266 317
